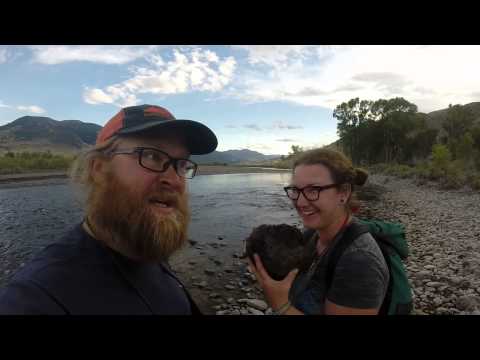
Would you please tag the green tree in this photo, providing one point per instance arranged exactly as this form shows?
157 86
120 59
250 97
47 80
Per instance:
351 117
296 149
458 121
441 156
465 148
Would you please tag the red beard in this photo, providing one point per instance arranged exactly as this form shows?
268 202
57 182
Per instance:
127 220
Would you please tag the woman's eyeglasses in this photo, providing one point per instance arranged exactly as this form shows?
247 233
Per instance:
311 192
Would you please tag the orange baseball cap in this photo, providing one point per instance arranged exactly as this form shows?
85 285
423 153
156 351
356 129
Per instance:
199 138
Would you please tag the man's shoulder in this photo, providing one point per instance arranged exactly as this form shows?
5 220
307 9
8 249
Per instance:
60 259
61 277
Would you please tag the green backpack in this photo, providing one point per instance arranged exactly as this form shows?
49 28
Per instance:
390 237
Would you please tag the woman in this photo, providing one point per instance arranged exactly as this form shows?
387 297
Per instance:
322 191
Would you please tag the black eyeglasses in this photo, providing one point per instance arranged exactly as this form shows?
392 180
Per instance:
159 161
311 192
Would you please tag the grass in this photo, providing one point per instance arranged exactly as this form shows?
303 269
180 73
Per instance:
24 162
451 175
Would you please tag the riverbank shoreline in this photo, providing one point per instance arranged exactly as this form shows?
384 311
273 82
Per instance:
202 170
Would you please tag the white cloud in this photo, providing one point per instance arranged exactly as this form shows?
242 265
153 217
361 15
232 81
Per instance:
111 54
286 140
31 109
97 96
259 147
253 127
3 105
189 70
277 56
431 77
284 126
475 95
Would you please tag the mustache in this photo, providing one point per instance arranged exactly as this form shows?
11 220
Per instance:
166 196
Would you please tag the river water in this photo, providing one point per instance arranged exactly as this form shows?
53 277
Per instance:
35 214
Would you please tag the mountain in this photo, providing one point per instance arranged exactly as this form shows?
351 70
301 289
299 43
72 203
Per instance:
436 118
37 133
244 156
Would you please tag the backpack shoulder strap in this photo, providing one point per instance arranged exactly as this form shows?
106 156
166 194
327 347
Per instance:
353 231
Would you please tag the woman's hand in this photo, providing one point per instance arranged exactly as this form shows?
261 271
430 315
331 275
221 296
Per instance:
275 292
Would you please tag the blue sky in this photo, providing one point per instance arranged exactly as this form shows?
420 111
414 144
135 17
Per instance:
264 97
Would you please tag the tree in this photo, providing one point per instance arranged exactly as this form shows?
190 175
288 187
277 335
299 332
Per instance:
296 149
351 116
441 156
458 121
465 148
395 118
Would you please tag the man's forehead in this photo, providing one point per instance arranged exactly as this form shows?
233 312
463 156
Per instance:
174 142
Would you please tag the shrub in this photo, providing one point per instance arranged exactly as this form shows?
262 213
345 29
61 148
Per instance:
475 182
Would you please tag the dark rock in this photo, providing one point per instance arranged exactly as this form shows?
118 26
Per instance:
281 248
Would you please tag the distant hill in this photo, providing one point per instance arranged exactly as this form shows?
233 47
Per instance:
38 133
234 156
436 118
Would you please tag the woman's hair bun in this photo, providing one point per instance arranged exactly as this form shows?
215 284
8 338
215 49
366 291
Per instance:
361 176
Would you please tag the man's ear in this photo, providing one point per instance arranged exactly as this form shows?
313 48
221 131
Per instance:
99 169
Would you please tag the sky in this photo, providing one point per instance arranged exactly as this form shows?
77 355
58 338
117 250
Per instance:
264 98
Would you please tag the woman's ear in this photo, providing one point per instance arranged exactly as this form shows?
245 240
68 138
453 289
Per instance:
346 192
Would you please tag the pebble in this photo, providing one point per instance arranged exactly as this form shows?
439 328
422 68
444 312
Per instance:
210 272
434 284
257 304
201 285
254 311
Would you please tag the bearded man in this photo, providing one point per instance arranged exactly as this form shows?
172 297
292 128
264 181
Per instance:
136 216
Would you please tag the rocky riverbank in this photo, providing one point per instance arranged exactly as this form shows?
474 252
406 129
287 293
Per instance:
444 237
443 266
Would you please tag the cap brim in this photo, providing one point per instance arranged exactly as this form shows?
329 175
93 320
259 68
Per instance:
199 138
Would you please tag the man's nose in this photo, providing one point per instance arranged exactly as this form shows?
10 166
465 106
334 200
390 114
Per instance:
170 177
